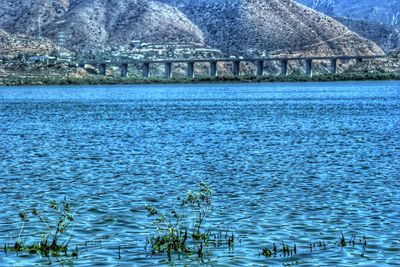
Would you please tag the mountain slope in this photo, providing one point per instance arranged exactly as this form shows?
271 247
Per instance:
239 27
12 45
373 19
99 24
18 16
260 26
385 36
382 11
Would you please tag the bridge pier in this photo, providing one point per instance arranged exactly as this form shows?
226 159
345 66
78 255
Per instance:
168 70
260 67
258 62
146 69
102 69
284 67
213 69
334 66
309 69
190 69
123 70
236 68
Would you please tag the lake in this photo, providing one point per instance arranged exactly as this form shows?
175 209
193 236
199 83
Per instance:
293 162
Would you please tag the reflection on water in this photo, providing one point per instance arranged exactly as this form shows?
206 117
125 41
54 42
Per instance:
292 162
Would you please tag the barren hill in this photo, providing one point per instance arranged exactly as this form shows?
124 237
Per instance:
388 38
381 11
377 20
237 27
97 24
12 45
259 26
22 16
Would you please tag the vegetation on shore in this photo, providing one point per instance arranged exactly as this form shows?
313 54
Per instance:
110 80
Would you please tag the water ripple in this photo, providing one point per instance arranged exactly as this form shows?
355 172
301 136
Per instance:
292 162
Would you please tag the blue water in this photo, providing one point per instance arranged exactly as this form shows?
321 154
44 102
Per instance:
286 162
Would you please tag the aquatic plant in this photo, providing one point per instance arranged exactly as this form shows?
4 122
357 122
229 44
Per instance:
174 234
55 222
298 253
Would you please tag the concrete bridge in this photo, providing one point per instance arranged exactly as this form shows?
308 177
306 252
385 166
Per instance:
236 62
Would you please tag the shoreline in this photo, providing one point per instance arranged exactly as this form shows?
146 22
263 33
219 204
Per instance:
110 80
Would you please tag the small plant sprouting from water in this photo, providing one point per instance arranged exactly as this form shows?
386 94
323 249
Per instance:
175 235
54 238
286 250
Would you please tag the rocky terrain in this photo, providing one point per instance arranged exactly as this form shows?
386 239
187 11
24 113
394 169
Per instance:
259 27
381 11
99 24
391 64
373 19
237 27
22 16
14 45
388 38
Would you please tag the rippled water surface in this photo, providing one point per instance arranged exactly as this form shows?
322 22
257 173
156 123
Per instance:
291 162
